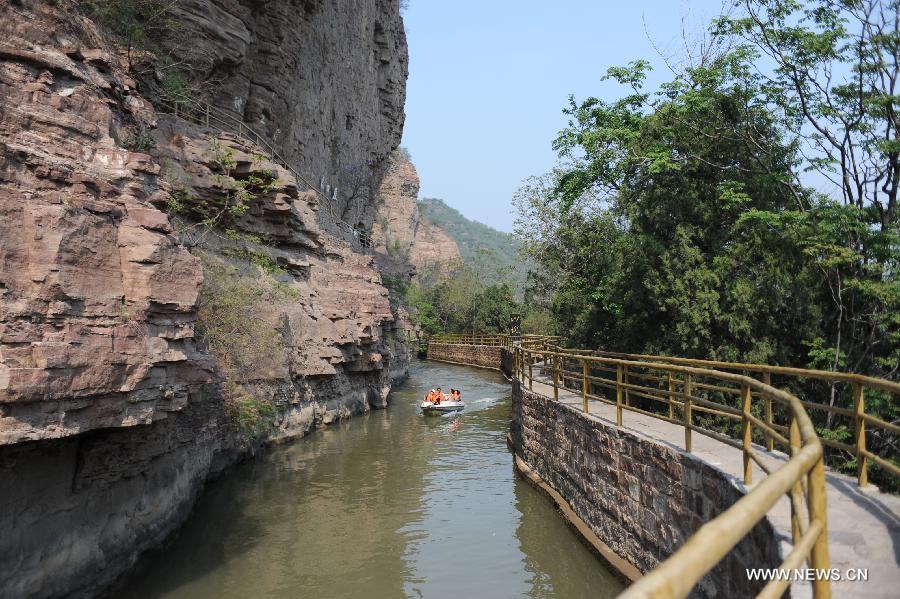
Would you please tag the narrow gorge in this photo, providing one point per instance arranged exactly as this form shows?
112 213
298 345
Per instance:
173 298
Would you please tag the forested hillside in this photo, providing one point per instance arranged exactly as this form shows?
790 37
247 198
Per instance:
495 252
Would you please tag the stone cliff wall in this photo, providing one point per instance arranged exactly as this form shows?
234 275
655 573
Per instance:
485 356
640 497
78 511
401 231
98 298
113 409
325 80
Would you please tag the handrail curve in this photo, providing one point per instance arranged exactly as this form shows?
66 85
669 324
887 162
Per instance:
801 478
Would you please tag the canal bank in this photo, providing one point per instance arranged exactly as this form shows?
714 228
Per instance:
388 504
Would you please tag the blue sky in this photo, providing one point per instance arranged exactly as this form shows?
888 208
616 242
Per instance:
488 81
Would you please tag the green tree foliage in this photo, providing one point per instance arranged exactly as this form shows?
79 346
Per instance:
459 300
644 226
474 239
137 24
678 221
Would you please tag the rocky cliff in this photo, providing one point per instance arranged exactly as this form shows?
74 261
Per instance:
400 230
120 390
325 80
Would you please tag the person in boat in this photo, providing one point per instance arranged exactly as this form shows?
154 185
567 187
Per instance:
430 396
457 396
440 397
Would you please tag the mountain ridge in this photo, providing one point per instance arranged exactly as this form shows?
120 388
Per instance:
472 236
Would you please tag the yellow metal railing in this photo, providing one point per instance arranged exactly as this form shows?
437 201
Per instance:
860 386
463 339
496 339
677 387
689 393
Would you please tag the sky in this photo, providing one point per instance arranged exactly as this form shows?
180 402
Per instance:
488 81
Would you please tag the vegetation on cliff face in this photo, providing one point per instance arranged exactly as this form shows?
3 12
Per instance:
681 221
148 33
245 345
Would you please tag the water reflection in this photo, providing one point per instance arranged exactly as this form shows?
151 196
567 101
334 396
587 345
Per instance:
390 504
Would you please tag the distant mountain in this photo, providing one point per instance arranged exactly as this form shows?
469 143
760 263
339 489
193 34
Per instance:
470 236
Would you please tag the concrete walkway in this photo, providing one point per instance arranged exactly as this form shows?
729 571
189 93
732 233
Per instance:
863 524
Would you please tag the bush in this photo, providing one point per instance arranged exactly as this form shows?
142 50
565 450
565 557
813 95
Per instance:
250 416
230 323
134 23
139 142
233 325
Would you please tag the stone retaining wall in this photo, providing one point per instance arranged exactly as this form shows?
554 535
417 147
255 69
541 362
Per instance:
642 498
484 356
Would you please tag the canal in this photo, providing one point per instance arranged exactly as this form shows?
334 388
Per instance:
388 504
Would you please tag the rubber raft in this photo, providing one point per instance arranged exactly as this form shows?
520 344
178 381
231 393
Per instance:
445 407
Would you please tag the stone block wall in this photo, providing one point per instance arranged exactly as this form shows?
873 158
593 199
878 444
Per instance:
642 498
484 356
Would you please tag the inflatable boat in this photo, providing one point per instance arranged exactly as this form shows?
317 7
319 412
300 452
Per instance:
445 407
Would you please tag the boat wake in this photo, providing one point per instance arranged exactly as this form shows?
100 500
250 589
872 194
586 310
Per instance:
485 400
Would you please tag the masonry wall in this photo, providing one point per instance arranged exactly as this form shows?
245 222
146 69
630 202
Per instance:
485 356
640 497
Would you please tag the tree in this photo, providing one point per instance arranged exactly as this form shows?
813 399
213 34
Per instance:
833 93
494 309
833 89
684 221
643 220
136 23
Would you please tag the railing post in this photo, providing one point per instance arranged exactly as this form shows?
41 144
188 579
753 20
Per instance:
555 375
516 361
747 432
687 411
862 462
618 395
584 385
770 442
625 380
530 364
818 556
797 489
671 395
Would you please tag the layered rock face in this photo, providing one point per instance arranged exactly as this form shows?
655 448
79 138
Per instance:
400 229
325 80
339 345
99 300
113 408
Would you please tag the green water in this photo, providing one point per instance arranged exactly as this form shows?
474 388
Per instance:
389 504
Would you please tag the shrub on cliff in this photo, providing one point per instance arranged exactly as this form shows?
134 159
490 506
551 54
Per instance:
251 415
231 318
136 24
246 343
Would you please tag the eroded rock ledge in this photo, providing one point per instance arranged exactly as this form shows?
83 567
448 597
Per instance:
401 231
111 404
